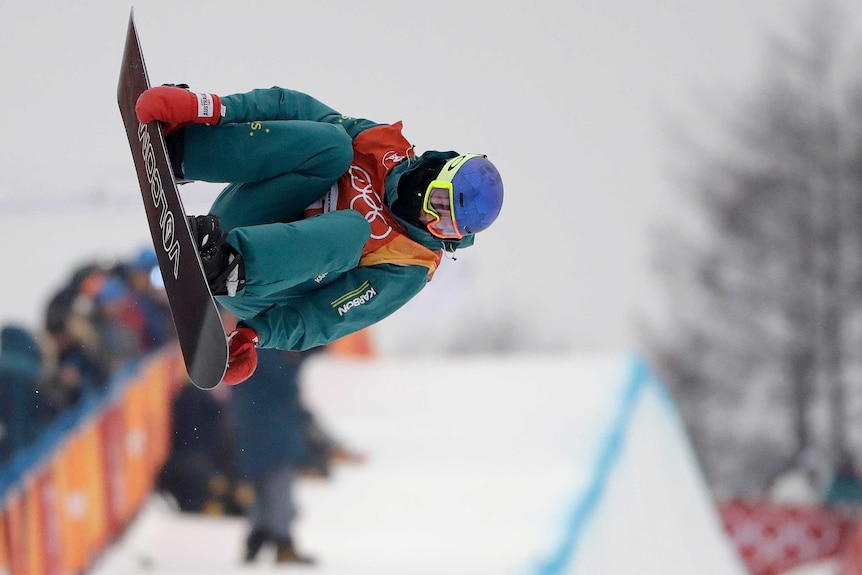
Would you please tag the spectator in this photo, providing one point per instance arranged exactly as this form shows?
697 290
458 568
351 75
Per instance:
199 469
67 301
120 322
151 300
21 415
77 361
271 450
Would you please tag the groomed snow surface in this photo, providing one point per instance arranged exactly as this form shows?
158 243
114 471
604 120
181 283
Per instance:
521 466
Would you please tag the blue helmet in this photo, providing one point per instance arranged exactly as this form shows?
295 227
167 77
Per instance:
451 196
477 192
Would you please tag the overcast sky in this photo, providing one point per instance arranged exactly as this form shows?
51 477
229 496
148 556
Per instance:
567 98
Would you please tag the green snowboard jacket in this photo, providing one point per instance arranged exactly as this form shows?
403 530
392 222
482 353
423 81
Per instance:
307 283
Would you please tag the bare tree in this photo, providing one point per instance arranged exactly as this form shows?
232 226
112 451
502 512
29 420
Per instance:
765 339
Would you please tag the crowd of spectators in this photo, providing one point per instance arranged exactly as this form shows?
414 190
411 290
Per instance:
105 315
234 451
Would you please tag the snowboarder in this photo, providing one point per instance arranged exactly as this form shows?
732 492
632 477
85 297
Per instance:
328 223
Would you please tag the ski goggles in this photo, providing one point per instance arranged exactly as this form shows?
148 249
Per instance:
439 200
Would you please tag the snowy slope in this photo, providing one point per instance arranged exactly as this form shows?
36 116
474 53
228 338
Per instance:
527 466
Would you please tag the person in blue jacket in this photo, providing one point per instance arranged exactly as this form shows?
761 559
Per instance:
329 223
271 450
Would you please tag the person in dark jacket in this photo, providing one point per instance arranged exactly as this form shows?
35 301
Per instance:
329 223
21 414
270 425
200 465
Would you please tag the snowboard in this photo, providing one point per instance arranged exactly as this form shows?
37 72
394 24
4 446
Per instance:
195 313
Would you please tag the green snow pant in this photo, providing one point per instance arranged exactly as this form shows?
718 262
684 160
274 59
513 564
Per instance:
276 170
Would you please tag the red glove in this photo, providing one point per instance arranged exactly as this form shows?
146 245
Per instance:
177 107
242 360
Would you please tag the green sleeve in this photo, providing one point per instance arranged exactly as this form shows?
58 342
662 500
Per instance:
282 104
361 297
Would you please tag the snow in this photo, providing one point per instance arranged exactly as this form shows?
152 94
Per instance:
820 568
521 465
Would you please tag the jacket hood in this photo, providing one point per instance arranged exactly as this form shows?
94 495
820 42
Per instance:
417 234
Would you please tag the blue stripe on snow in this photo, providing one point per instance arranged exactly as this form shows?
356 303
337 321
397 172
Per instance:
588 501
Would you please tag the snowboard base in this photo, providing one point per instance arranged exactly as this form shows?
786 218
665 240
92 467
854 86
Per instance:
195 313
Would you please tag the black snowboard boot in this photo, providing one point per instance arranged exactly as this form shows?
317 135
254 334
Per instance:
222 264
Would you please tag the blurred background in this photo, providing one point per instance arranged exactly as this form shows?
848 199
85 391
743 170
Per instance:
683 184
572 102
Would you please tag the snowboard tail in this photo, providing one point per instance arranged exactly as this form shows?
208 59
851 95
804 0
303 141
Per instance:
195 313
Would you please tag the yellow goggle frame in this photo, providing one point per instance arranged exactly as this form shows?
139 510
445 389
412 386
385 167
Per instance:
441 188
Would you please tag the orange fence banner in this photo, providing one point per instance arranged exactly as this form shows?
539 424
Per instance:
90 476
112 432
34 530
75 492
5 566
157 394
15 533
45 497
71 508
135 447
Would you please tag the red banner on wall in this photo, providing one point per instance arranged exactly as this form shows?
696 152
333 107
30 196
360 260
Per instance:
772 538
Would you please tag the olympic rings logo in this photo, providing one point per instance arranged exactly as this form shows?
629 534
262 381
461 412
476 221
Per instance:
360 180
